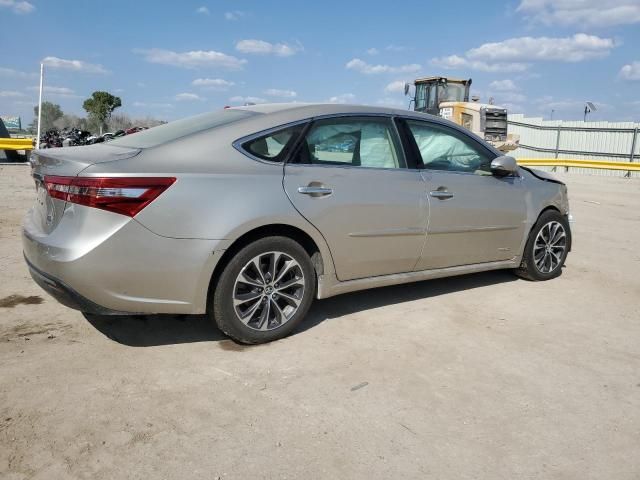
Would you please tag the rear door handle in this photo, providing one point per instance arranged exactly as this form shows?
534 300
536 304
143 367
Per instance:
441 194
315 191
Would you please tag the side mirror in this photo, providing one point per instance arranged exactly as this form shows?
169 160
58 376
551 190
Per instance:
406 88
503 166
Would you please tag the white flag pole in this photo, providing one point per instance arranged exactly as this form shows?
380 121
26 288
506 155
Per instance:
40 104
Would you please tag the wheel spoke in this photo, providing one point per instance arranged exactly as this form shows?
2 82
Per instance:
286 268
248 314
264 317
290 283
240 298
245 278
256 265
293 298
559 236
271 268
283 318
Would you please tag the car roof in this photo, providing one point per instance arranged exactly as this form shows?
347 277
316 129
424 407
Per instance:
317 109
281 113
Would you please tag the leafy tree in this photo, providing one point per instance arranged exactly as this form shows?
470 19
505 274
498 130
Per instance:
100 106
50 113
73 121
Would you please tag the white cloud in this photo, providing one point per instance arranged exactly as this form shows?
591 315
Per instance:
243 100
235 15
585 13
395 87
49 90
212 83
517 54
152 105
188 97
141 84
395 48
191 59
548 102
10 72
511 97
575 48
18 6
391 102
368 69
456 62
342 98
505 85
11 94
74 65
261 47
276 92
372 51
203 10
631 71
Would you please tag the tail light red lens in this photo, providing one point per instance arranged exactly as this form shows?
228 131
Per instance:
124 195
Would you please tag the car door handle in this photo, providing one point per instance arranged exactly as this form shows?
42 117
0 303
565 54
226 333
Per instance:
315 191
441 194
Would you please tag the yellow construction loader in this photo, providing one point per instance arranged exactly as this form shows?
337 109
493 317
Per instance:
449 98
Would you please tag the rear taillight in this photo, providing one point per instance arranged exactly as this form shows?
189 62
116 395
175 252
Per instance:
124 195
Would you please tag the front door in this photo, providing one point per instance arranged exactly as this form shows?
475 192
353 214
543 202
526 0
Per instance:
349 178
475 217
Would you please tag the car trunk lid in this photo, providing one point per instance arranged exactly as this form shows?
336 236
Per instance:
65 162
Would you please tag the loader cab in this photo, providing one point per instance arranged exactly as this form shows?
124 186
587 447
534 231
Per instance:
432 91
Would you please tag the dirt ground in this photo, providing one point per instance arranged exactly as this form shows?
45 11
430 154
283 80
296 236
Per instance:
479 377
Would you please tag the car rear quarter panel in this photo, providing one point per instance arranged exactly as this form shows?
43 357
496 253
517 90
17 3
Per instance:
220 193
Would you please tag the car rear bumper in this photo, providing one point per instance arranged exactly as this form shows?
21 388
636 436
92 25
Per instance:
66 295
111 265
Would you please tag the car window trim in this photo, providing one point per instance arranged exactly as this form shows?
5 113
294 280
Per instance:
396 140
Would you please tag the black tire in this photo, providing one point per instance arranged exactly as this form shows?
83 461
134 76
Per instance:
528 268
224 312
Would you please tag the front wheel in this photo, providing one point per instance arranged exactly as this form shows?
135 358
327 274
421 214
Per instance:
265 291
547 247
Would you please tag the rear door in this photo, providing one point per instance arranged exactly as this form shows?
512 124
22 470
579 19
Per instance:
475 217
349 178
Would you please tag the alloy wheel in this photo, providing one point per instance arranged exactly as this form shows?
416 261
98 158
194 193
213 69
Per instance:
268 291
549 247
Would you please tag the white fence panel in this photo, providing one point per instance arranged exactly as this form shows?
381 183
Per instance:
577 139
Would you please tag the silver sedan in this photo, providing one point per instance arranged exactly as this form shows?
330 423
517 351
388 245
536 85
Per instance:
248 214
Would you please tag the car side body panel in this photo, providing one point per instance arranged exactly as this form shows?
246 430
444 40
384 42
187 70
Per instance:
162 260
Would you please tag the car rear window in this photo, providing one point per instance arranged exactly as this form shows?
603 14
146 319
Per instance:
180 128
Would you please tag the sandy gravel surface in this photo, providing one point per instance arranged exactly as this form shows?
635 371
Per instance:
479 377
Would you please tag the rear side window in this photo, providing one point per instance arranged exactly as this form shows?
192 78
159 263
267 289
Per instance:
274 146
351 141
181 128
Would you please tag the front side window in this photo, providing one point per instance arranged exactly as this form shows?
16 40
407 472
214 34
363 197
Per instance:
274 146
353 141
442 148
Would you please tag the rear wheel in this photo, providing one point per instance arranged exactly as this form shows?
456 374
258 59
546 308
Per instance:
547 247
265 291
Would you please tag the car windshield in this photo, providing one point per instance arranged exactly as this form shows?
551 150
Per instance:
452 92
180 128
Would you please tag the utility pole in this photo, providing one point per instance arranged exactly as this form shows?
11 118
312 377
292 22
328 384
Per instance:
40 104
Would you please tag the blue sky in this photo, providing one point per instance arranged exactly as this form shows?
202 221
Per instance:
173 59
